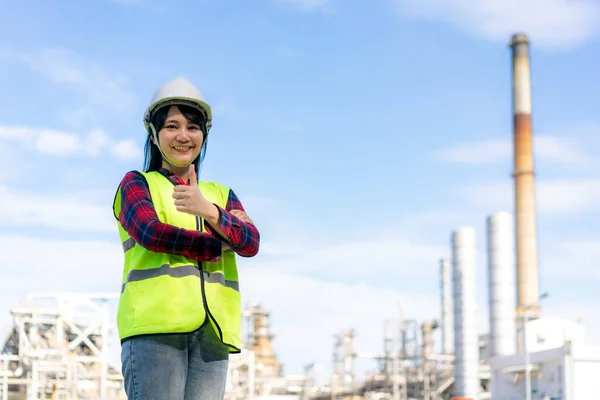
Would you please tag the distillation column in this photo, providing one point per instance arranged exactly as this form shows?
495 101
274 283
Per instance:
446 295
466 338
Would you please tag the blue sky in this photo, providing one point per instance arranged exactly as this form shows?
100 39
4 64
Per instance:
357 134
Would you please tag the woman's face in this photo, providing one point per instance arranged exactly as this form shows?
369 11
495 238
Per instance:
180 140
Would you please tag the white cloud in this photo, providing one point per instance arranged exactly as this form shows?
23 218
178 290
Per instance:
551 24
574 259
489 151
93 85
307 5
60 265
55 142
126 150
552 197
62 144
68 212
391 253
8 160
560 151
550 148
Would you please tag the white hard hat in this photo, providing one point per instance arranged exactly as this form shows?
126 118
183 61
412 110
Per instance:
178 91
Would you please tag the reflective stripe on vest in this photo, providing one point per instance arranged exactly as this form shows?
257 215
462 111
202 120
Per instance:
164 293
179 272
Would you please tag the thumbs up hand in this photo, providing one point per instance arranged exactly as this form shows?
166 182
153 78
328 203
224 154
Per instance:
188 199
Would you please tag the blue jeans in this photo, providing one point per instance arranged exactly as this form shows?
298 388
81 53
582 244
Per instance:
175 366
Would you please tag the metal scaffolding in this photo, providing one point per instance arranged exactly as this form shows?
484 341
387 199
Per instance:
58 348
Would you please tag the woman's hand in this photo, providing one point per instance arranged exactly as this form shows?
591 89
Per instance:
188 199
242 216
225 247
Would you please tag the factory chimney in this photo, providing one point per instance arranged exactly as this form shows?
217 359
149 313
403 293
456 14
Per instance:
525 212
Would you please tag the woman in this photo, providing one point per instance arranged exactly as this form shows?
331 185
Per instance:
179 312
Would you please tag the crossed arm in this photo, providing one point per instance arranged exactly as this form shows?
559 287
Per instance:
138 217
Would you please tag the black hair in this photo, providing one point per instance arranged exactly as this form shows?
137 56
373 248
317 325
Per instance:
152 156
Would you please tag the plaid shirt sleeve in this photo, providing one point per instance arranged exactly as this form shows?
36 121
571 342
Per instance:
244 238
140 220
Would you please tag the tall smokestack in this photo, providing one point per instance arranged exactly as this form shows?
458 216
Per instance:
525 214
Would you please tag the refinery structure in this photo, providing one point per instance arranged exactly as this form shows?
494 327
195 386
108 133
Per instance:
57 346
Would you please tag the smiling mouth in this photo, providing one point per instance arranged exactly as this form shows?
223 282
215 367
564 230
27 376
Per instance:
182 148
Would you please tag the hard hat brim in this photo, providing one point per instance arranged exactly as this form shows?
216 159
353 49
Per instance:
200 105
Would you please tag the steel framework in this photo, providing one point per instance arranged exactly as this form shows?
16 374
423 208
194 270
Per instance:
58 347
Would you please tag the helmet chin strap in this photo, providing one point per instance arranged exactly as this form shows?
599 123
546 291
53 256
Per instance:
174 164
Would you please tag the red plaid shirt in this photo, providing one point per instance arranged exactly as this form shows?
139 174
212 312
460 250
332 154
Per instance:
140 220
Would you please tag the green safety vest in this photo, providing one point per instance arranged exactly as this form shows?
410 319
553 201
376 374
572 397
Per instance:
166 293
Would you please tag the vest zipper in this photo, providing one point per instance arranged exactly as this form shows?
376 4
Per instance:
200 227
